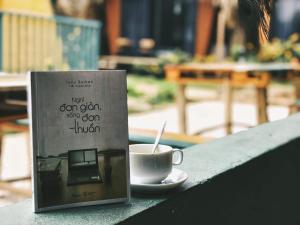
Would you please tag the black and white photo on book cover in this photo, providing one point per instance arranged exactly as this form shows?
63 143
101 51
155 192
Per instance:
79 127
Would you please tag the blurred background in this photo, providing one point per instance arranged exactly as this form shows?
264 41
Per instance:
210 68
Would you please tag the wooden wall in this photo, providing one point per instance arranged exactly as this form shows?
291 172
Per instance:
30 6
204 23
113 26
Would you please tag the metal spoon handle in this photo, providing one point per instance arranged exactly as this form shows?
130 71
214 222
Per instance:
158 136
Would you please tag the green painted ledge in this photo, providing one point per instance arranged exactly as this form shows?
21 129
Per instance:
202 163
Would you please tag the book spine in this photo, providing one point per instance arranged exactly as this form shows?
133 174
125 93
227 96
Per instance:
123 73
33 118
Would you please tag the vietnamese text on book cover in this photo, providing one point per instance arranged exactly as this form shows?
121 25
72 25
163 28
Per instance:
79 127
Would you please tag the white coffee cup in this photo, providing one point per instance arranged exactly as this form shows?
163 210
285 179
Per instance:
148 167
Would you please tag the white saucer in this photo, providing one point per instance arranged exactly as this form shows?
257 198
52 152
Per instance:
176 178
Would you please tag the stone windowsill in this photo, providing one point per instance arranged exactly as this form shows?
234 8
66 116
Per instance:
232 180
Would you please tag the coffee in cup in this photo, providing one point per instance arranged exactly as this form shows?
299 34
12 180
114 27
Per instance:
149 167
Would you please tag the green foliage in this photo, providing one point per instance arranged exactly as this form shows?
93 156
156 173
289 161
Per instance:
166 94
132 91
276 50
172 57
150 89
243 53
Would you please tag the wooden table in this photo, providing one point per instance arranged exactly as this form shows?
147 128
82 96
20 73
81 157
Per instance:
112 61
11 82
230 75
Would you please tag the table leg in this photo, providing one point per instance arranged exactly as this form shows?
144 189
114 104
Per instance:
228 97
29 153
181 104
261 105
1 153
297 89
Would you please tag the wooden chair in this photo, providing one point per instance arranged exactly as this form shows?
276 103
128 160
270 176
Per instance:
13 108
8 127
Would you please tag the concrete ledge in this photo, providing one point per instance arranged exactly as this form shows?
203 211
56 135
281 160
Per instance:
248 178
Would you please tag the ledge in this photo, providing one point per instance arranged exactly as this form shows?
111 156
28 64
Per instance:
248 178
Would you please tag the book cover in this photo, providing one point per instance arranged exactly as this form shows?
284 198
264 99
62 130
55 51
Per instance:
79 129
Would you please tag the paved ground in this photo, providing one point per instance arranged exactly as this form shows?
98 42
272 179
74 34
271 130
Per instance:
200 116
204 115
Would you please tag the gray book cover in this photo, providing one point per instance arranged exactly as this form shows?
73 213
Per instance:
79 129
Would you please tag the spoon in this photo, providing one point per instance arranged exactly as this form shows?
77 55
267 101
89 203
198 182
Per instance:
158 136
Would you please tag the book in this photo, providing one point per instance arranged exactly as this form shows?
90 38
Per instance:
79 133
